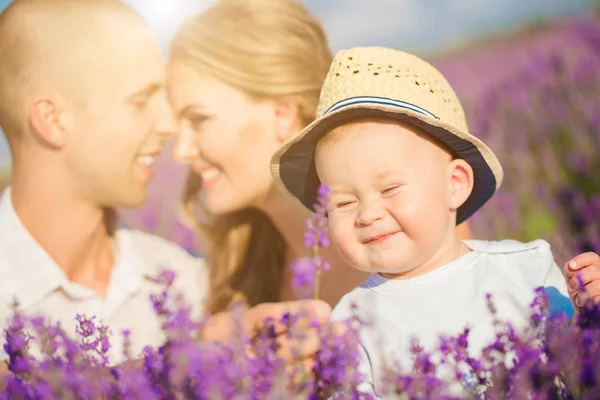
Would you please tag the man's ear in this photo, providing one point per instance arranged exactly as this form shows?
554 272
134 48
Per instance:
287 120
460 181
47 120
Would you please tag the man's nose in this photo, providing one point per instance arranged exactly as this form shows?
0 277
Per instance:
166 124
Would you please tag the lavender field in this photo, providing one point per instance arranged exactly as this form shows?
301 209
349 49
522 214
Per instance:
551 357
537 104
534 97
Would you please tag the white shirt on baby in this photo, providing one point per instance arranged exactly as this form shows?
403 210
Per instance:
29 275
445 300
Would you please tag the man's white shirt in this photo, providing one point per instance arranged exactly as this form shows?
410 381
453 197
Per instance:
30 276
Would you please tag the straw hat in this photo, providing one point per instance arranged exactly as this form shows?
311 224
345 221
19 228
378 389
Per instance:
382 82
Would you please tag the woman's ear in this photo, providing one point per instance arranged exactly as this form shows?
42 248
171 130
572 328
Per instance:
460 180
287 120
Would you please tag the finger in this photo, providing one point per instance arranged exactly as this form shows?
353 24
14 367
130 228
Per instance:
300 370
299 376
573 297
592 290
582 260
223 326
575 283
580 300
298 347
260 316
339 328
132 364
585 276
219 327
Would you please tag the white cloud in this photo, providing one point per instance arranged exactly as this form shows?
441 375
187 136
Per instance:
165 16
428 25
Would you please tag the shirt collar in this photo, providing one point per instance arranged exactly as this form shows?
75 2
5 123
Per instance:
33 271
36 274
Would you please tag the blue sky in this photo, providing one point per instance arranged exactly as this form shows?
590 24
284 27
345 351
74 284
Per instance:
421 26
424 26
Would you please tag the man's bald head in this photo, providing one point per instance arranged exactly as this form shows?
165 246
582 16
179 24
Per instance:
81 98
60 48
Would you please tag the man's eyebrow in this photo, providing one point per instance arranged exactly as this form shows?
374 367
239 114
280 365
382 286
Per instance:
147 91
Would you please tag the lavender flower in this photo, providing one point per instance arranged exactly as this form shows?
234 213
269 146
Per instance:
542 121
551 358
337 363
304 277
307 271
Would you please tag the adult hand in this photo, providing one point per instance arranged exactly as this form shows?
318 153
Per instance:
587 265
296 352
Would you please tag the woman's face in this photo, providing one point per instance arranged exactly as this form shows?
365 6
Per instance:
226 137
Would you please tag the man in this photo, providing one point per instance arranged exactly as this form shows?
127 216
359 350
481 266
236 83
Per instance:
84 112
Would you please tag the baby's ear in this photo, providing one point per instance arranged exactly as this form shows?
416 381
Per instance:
460 180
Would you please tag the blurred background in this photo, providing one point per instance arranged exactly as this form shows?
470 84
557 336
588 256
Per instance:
527 72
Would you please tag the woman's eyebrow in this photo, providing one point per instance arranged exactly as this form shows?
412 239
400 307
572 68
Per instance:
189 109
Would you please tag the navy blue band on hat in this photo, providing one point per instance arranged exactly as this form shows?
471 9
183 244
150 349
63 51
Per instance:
377 100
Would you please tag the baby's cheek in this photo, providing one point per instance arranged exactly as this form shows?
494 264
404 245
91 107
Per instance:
414 209
342 237
336 232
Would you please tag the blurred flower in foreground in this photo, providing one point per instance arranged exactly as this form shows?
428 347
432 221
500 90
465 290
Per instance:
307 270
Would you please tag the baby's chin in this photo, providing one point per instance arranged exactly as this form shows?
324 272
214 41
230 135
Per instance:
387 271
362 262
391 264
393 273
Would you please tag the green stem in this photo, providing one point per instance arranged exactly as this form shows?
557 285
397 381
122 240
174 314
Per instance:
317 281
318 272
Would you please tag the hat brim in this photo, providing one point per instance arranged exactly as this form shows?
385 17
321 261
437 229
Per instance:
294 168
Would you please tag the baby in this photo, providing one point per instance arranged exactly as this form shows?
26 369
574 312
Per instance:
392 145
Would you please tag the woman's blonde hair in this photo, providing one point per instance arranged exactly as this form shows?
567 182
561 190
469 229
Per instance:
270 49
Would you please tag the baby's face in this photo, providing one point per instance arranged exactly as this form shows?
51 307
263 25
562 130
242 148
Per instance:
389 207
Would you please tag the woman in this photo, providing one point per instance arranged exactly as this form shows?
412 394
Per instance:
244 77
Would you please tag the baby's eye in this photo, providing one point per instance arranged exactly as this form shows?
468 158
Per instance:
390 190
343 204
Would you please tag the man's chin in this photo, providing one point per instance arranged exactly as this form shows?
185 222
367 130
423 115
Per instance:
133 200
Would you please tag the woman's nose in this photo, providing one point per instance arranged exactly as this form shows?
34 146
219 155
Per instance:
185 150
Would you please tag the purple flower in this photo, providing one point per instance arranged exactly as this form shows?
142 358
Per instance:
304 277
315 238
550 358
542 122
